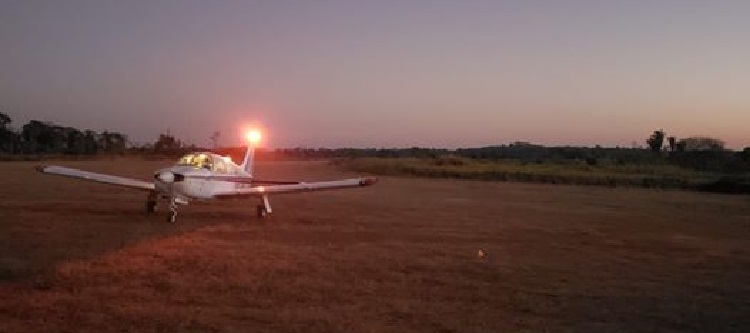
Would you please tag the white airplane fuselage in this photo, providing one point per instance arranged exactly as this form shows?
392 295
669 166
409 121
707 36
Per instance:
189 182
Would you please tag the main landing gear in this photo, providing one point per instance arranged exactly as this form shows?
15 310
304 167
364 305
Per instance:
151 202
264 209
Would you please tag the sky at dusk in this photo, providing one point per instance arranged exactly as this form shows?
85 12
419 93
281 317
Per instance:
387 73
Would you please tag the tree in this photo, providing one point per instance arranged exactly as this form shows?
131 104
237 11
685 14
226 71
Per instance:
105 141
680 146
8 138
117 142
166 143
701 143
75 141
39 136
672 143
4 120
656 141
90 145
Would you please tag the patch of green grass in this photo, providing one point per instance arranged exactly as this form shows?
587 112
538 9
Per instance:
574 173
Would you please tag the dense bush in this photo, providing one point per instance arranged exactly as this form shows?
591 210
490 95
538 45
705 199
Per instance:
647 175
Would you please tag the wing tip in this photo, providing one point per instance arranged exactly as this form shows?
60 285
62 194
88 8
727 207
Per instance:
41 167
369 181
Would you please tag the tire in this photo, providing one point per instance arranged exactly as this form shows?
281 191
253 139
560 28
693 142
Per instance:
261 211
150 206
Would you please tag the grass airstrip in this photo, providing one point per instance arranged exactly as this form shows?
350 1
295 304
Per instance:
408 255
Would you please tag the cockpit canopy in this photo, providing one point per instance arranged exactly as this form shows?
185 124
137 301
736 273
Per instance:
197 160
209 161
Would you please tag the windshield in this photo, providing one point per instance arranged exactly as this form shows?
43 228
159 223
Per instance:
196 160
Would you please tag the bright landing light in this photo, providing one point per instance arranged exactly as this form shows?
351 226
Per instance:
253 136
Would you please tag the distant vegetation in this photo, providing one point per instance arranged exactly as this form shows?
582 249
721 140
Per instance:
663 176
696 163
38 139
689 163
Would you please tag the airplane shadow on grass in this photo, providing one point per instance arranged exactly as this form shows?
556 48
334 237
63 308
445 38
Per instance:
131 211
219 217
39 236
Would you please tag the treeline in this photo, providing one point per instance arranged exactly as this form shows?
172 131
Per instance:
710 160
713 160
38 137
327 153
695 163
46 138
696 153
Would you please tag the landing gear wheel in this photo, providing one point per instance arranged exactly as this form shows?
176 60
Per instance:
150 206
151 202
261 211
172 210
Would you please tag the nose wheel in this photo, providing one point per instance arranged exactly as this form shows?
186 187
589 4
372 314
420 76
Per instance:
173 202
172 217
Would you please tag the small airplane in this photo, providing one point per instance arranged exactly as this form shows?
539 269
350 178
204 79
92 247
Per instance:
205 176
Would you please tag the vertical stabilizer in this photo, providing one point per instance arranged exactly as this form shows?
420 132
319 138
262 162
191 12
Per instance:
253 139
247 162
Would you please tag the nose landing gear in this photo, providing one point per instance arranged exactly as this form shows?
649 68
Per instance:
151 201
172 210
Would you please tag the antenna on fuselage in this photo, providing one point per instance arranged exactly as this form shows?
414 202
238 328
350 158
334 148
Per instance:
253 139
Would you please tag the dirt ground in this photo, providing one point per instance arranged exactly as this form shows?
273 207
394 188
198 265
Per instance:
402 256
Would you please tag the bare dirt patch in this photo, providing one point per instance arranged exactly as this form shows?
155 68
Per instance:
398 257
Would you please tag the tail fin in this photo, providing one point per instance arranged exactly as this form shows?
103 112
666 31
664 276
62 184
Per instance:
247 163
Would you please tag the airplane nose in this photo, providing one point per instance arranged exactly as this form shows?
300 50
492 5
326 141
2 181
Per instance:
167 177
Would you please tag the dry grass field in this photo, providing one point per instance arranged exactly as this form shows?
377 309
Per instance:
398 257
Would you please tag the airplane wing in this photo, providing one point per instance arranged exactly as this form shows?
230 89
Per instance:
298 187
97 177
243 180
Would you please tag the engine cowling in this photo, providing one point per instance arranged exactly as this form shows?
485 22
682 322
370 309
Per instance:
169 177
